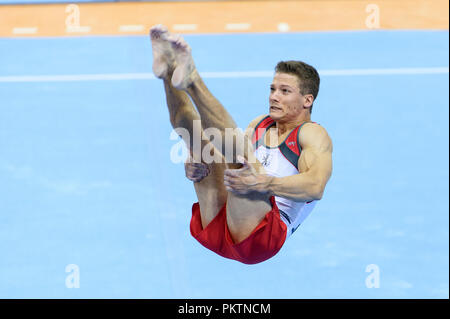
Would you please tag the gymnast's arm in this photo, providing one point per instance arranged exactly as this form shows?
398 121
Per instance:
315 164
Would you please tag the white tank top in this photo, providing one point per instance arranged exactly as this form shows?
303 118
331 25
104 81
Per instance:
276 163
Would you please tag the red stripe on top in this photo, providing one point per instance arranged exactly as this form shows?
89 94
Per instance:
261 128
292 143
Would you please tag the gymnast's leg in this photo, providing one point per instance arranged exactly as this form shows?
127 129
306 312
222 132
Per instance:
210 190
244 213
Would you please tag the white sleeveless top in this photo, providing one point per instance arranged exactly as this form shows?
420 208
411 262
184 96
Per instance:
276 164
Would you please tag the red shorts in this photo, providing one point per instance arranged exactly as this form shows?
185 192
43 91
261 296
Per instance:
263 243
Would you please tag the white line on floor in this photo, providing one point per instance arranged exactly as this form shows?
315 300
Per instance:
212 75
184 27
29 30
131 28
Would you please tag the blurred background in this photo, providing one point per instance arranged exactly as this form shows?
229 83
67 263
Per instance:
92 206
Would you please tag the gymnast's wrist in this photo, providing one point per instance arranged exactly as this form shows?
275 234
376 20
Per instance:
265 184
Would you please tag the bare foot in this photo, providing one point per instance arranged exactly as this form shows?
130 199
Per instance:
163 56
185 72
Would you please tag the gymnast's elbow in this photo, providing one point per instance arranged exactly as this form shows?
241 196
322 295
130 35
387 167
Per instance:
313 192
318 195
317 186
316 191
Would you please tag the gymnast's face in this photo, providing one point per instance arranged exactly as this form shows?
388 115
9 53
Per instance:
285 100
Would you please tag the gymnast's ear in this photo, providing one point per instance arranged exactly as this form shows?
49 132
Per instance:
308 100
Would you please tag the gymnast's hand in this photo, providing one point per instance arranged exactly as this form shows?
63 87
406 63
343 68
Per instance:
196 171
245 180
